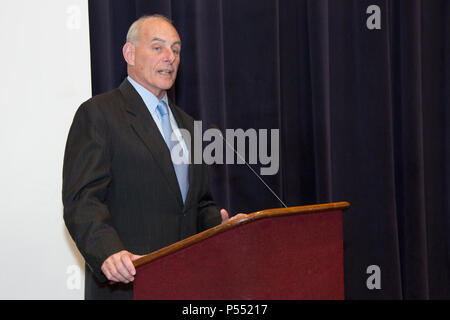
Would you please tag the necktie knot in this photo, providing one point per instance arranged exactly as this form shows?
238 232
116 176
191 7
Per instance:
162 108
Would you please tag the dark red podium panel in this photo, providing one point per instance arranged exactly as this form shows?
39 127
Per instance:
295 256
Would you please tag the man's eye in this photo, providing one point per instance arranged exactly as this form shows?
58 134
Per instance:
176 52
156 48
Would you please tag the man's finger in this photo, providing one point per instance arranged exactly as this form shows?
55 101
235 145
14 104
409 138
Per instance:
224 215
238 216
116 274
108 275
126 260
122 270
135 257
108 269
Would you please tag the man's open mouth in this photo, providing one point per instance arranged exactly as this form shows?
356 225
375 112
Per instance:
165 71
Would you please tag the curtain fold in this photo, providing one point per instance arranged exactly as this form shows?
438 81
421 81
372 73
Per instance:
319 60
363 116
409 152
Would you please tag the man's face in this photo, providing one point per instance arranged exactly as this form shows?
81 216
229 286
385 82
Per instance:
156 56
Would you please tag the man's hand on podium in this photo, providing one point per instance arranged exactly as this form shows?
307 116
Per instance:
119 267
226 217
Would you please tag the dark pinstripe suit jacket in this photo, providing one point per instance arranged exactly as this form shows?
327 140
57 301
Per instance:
120 190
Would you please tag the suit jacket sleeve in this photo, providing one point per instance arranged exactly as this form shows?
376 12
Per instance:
86 177
209 212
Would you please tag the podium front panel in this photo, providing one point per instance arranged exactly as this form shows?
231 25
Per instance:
288 257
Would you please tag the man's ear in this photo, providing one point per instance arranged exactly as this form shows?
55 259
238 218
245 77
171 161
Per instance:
128 53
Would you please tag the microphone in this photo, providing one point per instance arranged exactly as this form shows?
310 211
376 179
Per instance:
213 125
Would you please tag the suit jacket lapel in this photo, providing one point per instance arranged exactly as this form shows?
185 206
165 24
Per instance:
142 122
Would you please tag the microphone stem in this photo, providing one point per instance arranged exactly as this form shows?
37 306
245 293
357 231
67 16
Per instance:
252 170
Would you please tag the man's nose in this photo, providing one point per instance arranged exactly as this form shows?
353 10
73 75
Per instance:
169 56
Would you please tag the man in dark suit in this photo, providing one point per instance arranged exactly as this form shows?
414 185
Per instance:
123 196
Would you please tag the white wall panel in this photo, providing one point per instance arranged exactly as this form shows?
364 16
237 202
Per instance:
45 77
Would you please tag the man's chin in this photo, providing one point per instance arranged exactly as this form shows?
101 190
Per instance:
166 85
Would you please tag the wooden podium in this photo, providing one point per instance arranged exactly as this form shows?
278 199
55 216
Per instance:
274 254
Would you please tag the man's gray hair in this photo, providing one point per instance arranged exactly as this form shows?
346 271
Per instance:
133 32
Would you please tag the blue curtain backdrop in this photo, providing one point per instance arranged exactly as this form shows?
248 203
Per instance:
363 116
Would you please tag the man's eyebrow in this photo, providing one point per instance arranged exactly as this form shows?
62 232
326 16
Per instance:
162 40
158 39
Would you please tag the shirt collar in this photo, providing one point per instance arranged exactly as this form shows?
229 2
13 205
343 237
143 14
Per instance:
150 100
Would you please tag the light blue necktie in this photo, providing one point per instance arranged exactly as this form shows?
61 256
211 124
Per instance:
182 169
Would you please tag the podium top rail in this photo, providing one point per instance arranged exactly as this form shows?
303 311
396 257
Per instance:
267 213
